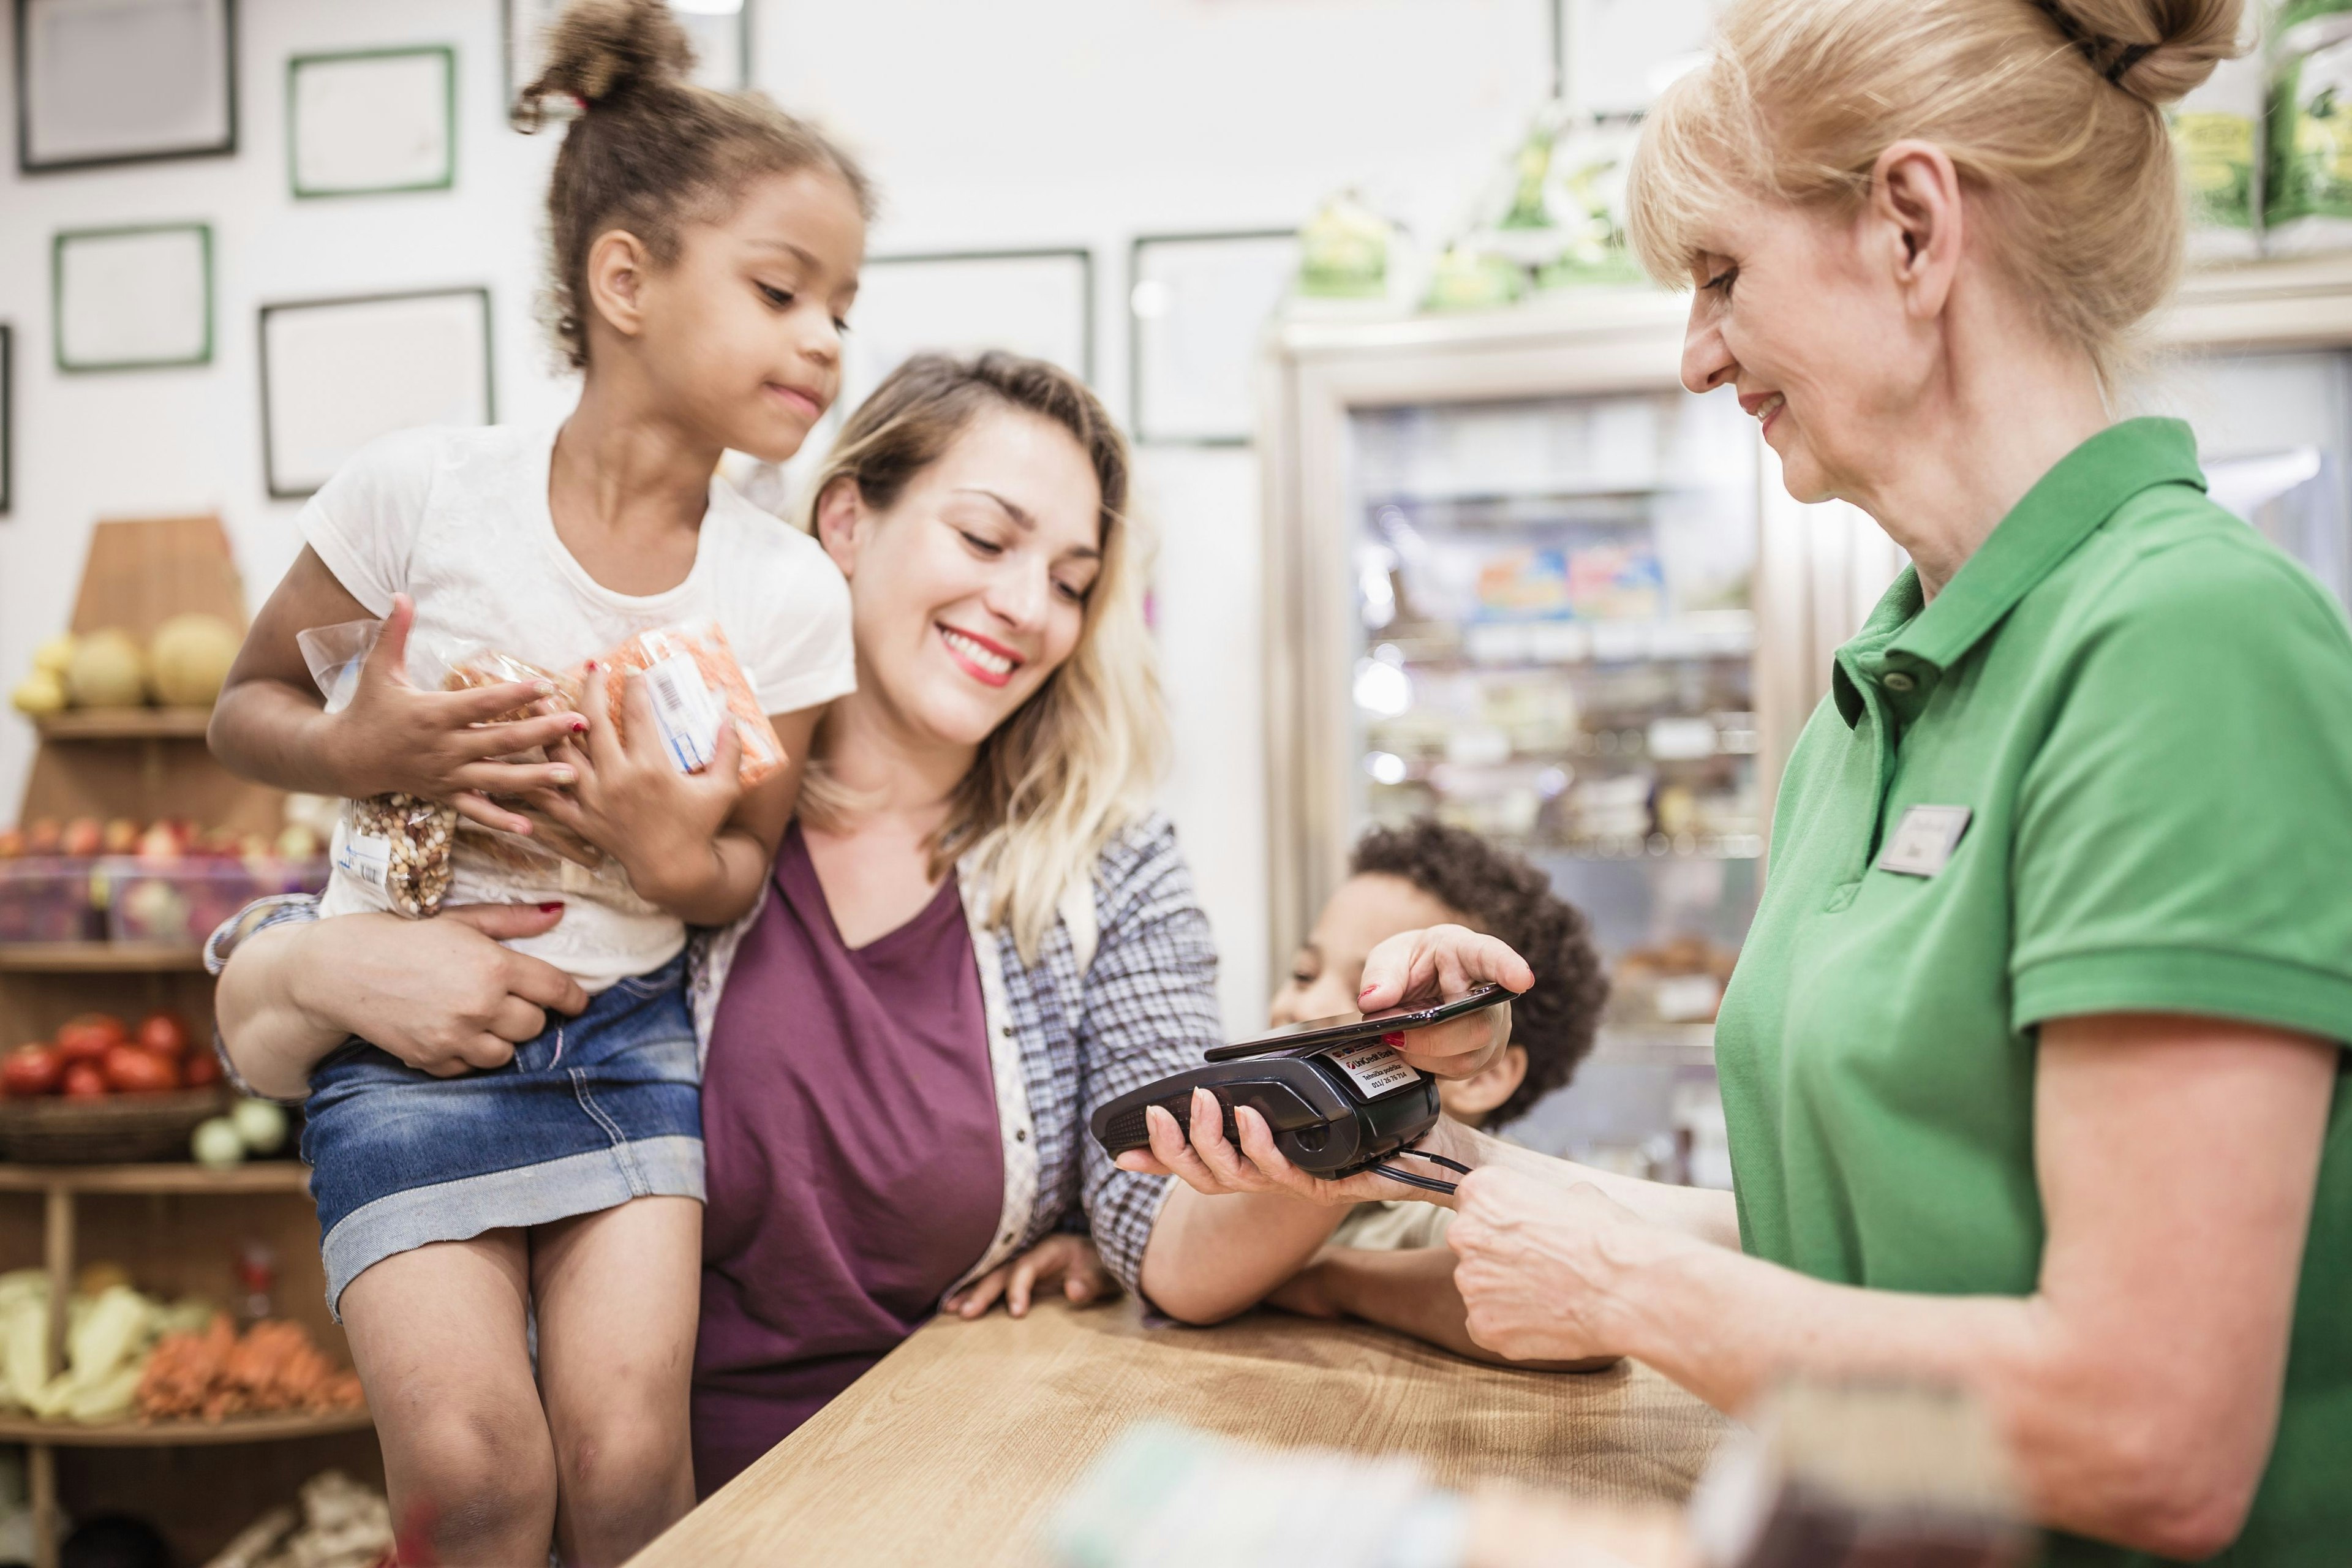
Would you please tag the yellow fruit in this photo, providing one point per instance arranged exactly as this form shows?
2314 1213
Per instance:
108 671
190 658
55 655
39 692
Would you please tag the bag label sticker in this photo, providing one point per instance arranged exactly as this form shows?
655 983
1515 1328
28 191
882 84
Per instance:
365 857
684 712
1373 1068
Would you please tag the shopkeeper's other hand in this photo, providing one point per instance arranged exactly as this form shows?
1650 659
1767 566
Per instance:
1547 1273
442 745
631 801
441 995
1072 1259
1210 1164
1420 967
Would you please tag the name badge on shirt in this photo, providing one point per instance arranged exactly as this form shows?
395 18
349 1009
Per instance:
1924 840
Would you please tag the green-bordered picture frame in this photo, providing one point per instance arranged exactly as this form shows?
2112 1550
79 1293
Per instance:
365 123
1197 307
338 374
135 297
7 417
101 82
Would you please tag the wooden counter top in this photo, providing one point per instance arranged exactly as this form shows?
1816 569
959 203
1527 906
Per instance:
957 1447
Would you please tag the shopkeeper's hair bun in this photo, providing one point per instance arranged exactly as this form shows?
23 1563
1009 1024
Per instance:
600 51
651 151
2168 47
2048 108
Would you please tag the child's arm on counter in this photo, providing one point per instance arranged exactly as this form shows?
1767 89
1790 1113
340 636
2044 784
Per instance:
1409 1289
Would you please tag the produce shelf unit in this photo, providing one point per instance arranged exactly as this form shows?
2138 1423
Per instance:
178 1228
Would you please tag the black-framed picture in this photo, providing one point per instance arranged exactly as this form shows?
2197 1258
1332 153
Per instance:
372 122
1198 305
720 31
123 81
1036 302
136 297
7 417
338 374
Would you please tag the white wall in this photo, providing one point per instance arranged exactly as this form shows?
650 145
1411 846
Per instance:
989 122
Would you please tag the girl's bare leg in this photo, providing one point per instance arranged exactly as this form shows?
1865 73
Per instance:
618 1294
437 1335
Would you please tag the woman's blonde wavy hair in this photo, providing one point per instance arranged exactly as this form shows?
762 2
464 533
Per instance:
2052 108
1078 761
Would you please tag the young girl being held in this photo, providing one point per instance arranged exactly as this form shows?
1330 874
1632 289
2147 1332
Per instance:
706 249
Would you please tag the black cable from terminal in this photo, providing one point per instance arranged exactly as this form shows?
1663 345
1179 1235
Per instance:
1414 1179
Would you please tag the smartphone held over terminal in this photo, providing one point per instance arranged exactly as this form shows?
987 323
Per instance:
1338 1099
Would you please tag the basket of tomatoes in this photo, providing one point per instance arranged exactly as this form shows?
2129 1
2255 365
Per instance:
105 1092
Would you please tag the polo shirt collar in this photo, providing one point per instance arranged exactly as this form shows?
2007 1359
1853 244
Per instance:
2065 506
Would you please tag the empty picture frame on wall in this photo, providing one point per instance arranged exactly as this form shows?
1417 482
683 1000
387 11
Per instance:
120 81
1198 305
1034 302
372 122
139 298
720 31
7 417
336 373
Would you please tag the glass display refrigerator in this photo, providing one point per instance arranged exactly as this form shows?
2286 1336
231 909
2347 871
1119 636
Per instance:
1517 579
1513 583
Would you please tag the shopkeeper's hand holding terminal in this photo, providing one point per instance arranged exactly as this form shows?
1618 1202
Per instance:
2032 1061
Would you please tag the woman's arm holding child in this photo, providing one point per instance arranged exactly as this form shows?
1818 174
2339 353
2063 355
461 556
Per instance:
442 995
271 724
695 845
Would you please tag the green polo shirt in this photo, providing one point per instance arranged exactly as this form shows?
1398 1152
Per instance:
2146 711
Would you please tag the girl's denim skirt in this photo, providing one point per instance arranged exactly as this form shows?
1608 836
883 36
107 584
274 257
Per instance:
596 1111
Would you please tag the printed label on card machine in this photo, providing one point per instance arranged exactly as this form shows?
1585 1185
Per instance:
1374 1069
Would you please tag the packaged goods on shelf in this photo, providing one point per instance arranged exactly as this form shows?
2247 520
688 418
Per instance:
2217 131
2307 200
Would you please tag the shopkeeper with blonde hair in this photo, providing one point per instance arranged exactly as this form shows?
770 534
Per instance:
2032 1061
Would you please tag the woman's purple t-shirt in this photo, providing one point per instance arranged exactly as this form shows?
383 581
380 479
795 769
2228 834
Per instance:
854 1164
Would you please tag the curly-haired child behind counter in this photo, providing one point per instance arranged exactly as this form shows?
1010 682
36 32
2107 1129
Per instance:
1404 879
706 246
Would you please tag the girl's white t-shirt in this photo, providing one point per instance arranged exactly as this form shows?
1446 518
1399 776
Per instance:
458 519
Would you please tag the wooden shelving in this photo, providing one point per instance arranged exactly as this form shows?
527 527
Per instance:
179 1434
176 1229
125 724
260 1176
100 958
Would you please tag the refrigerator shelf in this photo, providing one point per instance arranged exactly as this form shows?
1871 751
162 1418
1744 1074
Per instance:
1715 634
1536 494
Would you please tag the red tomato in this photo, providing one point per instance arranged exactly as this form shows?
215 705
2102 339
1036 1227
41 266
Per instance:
134 1072
32 1069
83 1080
163 1034
201 1068
86 1039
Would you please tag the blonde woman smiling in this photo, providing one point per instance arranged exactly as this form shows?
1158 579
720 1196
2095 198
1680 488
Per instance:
976 933
2033 1062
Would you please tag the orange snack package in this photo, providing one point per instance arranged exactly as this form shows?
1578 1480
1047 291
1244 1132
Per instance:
694 685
